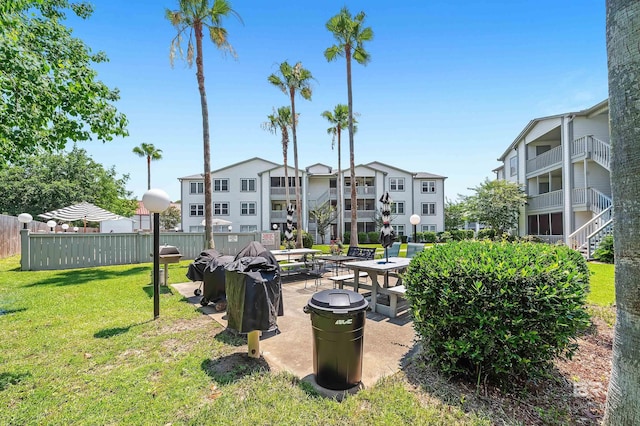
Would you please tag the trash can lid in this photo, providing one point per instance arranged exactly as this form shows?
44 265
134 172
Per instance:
338 299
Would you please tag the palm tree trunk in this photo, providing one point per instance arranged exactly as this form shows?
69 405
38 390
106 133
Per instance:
208 198
352 164
340 200
623 39
285 144
295 161
148 172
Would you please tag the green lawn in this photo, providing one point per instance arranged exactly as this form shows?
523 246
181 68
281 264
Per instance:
81 347
602 284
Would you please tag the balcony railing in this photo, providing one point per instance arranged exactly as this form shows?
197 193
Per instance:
593 199
544 160
599 151
362 214
548 200
282 191
278 214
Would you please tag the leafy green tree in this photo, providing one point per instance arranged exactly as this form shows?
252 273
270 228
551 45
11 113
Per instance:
49 92
170 218
455 214
280 121
339 120
192 17
623 39
323 215
294 80
150 152
50 181
497 204
351 35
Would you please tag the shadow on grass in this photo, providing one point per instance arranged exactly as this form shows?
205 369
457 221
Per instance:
231 368
7 379
163 290
11 311
116 331
85 276
230 338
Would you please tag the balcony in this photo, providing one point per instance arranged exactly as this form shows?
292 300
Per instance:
548 201
593 148
545 162
278 215
280 192
362 214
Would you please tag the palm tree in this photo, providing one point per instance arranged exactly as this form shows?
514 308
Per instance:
280 120
191 17
294 80
623 39
350 35
149 151
339 119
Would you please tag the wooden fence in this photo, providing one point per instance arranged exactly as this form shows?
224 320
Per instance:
42 251
10 234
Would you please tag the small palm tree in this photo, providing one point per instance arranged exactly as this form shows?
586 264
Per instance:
280 121
294 80
192 17
151 153
350 34
339 120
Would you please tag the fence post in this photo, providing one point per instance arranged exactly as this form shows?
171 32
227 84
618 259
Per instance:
25 250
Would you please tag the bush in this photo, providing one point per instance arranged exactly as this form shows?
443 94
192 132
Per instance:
307 239
429 237
486 234
458 234
362 237
374 237
470 234
444 237
497 310
347 238
403 239
604 252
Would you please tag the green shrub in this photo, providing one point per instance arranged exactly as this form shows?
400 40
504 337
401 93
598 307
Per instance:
497 310
471 234
604 252
374 237
403 239
362 237
458 234
486 234
429 237
347 238
307 239
444 237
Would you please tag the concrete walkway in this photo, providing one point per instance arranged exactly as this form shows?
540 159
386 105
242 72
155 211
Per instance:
387 341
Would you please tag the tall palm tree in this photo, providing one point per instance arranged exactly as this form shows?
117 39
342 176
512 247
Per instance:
294 80
192 17
151 153
280 121
350 34
339 119
623 39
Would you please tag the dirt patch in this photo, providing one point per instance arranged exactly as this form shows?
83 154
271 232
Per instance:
233 367
573 393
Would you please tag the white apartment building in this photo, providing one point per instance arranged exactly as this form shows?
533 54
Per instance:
563 164
251 195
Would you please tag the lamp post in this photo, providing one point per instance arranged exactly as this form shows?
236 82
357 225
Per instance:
415 220
24 219
156 201
51 224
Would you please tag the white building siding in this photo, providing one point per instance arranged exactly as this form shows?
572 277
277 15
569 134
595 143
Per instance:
597 126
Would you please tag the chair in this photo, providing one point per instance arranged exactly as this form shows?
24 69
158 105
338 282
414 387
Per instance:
317 270
393 251
414 248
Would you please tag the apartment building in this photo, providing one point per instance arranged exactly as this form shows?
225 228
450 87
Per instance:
251 195
563 164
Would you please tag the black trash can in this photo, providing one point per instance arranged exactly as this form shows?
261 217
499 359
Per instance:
337 319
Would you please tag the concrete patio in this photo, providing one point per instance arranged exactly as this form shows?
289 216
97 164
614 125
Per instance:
387 341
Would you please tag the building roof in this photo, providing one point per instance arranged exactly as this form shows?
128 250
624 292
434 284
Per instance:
200 175
142 210
416 175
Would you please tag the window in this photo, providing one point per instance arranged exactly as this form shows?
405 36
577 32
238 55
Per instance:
220 185
196 209
429 209
399 229
221 209
248 208
513 166
196 188
429 186
247 185
396 184
248 228
428 228
278 182
397 207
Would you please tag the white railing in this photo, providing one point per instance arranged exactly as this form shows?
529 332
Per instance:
278 214
547 200
579 196
546 159
599 151
580 236
282 190
362 214
593 240
595 200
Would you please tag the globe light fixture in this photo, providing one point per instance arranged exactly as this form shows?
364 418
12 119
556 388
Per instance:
75 229
230 228
24 219
156 201
275 226
415 220
65 226
51 224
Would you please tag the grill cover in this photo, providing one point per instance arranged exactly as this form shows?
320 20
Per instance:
254 290
195 272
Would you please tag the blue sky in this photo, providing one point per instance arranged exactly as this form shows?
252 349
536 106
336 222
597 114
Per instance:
449 86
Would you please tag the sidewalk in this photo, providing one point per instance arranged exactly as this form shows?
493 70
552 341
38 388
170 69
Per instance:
386 340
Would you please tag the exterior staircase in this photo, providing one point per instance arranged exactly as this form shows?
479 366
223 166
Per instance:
587 238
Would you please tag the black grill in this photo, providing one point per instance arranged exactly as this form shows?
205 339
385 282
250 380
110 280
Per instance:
169 254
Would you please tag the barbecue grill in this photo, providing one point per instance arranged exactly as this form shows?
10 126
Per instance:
168 254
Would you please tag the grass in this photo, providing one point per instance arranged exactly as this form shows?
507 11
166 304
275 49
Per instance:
602 284
81 347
